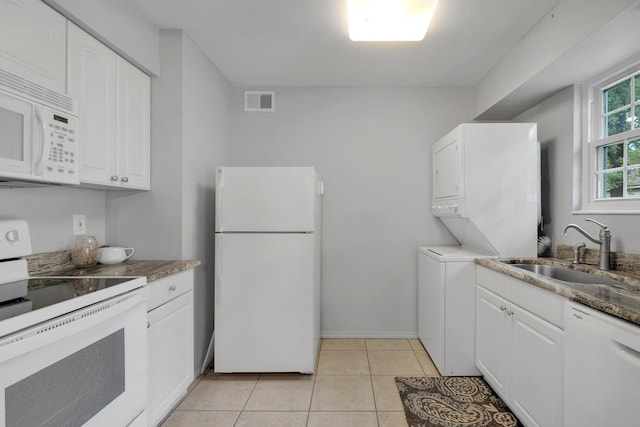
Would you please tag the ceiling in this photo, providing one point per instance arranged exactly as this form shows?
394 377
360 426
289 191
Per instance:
306 42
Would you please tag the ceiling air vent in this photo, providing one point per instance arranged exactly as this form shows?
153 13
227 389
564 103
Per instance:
259 101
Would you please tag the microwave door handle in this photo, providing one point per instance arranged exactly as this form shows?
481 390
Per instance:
39 165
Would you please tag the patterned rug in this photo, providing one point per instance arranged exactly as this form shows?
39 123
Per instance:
452 402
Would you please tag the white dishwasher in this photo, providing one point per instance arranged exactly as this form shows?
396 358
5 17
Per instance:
602 369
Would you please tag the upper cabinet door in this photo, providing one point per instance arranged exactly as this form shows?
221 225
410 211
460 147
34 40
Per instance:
447 167
33 42
92 82
134 115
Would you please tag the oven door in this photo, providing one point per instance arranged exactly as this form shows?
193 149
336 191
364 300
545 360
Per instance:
87 367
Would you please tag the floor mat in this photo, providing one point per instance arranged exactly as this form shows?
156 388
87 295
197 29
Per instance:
452 402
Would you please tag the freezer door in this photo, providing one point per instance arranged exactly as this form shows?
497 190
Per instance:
266 199
266 303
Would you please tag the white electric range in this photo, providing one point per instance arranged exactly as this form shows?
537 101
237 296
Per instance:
73 350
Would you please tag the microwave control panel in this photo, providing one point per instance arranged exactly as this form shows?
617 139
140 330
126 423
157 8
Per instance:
61 148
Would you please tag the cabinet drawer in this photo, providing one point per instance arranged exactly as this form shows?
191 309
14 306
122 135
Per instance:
497 283
541 302
168 288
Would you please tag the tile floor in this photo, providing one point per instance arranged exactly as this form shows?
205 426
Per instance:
353 386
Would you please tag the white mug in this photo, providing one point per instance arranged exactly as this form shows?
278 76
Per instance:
114 254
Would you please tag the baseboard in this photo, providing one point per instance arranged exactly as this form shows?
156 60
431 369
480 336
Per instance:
368 334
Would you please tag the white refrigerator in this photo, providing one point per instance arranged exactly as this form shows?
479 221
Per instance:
267 269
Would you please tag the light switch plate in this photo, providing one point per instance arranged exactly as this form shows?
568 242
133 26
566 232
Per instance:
79 225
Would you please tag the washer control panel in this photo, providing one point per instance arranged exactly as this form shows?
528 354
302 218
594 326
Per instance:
454 208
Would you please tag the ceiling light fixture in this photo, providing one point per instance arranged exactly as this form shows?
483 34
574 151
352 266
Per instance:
389 20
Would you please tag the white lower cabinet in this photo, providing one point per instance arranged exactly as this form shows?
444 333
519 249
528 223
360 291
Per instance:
170 335
536 354
520 354
492 339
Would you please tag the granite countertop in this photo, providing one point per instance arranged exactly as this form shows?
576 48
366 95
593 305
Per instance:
58 264
152 269
622 302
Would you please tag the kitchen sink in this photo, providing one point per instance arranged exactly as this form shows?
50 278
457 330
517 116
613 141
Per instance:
568 275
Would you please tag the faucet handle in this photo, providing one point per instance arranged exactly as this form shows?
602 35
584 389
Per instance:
596 222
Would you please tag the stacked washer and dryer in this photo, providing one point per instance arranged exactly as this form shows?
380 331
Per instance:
486 192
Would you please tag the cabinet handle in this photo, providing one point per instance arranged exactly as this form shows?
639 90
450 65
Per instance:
124 179
148 325
114 177
172 288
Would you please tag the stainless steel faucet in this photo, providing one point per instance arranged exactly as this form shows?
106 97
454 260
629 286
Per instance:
604 242
576 252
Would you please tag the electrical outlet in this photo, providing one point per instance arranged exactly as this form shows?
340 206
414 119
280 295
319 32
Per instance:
79 225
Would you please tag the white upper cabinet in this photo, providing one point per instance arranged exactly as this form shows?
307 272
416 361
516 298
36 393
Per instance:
134 125
92 82
33 42
114 103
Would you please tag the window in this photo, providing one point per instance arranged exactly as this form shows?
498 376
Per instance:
618 170
611 159
621 106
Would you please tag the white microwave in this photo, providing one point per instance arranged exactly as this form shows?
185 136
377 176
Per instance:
38 133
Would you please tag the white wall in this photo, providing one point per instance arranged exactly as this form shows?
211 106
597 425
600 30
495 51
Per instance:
49 211
553 54
190 134
206 136
372 148
151 221
555 118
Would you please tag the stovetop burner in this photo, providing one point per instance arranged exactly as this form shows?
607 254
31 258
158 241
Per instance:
36 293
27 301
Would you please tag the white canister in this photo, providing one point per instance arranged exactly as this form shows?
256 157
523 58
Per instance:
114 254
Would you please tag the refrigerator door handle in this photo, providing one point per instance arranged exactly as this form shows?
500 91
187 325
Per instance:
218 271
218 198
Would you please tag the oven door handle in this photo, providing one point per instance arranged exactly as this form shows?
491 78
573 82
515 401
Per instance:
38 335
50 351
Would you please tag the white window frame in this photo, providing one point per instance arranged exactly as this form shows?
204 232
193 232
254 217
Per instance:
593 131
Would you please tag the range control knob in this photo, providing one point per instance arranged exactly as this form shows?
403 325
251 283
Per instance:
12 236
